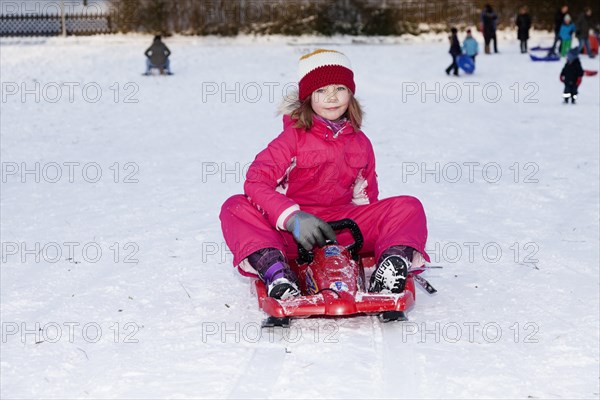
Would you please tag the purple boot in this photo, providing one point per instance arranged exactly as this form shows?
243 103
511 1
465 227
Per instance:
275 273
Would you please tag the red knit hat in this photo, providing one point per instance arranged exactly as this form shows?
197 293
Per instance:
322 68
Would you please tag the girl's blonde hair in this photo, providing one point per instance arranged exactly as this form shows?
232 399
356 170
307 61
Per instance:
303 113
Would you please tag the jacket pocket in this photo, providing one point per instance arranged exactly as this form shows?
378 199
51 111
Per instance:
356 164
356 160
309 159
308 165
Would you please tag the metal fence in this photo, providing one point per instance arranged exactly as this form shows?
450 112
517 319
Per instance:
51 25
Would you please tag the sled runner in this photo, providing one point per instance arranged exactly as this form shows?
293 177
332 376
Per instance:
332 283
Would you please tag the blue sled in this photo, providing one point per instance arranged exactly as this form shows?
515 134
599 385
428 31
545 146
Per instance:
549 57
540 48
466 63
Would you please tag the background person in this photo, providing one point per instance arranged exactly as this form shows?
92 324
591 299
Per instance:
157 56
523 22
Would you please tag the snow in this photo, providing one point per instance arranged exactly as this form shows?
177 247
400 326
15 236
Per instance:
181 323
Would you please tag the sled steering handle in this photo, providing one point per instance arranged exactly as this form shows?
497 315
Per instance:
352 226
306 256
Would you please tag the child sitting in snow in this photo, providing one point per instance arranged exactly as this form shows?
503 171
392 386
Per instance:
571 75
566 35
320 168
470 46
157 56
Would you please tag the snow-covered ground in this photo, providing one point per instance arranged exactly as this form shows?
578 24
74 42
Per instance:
116 282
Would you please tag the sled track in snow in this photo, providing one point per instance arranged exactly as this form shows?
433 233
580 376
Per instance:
258 383
366 337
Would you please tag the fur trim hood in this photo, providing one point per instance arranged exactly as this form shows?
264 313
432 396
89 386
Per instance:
289 103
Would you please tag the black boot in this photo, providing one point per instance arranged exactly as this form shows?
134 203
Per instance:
390 275
280 281
282 289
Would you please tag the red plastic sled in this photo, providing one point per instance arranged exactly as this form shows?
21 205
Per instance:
593 46
332 283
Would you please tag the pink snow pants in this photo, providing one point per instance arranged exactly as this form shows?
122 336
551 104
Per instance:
393 221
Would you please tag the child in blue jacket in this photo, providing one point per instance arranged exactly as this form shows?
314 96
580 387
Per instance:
566 35
470 46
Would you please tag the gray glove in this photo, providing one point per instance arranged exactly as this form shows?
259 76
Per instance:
309 230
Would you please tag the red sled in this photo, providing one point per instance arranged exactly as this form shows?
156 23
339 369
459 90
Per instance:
593 46
332 283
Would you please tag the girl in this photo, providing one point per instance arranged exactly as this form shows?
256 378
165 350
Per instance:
566 35
320 168
470 46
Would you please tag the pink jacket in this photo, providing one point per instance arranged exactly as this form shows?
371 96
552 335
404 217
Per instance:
311 168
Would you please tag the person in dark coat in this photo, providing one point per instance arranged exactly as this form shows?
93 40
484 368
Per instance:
158 57
455 51
559 18
523 23
583 26
488 26
571 75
